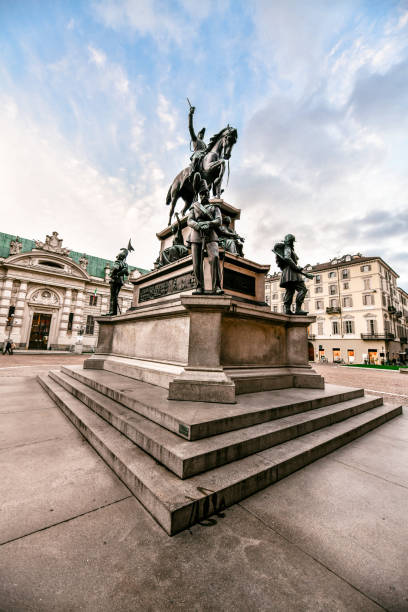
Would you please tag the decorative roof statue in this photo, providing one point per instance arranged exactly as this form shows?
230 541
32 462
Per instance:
292 278
204 219
16 246
209 161
83 262
119 271
53 244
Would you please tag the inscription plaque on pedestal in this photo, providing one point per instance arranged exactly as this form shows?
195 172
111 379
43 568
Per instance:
235 281
183 282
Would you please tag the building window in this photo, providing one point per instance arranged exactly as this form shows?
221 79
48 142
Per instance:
275 296
320 329
365 268
333 289
318 289
347 301
90 324
348 327
275 309
332 275
93 300
335 327
345 285
319 304
367 283
317 279
333 303
371 326
70 321
344 274
368 299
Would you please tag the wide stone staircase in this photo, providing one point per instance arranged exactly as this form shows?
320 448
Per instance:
185 461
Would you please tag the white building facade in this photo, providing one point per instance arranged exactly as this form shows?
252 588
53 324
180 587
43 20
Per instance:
50 296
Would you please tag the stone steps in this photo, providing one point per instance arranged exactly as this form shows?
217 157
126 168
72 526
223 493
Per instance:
177 504
186 458
196 420
270 379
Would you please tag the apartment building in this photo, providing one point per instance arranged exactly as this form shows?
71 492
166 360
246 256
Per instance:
361 313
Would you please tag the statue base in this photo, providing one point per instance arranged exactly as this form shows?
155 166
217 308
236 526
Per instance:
207 348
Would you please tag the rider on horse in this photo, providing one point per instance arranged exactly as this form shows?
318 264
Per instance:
199 145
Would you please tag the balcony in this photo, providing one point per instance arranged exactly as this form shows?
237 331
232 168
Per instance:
384 336
392 309
311 337
398 314
403 339
333 310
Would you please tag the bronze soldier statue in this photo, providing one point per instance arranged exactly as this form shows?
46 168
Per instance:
292 278
119 271
204 219
177 250
230 241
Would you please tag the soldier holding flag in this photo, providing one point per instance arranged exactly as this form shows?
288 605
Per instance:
119 271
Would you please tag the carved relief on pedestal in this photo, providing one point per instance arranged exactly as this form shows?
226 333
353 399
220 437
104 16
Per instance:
46 297
53 244
15 246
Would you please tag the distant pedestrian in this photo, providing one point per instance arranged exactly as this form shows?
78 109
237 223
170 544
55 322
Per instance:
9 347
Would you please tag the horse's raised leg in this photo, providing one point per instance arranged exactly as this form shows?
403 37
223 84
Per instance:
187 205
174 199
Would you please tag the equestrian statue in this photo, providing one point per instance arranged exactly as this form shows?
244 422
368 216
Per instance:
209 160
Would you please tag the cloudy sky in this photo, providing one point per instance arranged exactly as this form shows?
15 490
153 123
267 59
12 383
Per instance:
93 119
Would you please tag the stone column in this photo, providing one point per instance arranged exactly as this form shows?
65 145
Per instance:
104 304
19 311
4 306
66 309
78 312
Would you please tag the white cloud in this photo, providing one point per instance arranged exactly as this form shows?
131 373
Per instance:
97 56
56 189
151 17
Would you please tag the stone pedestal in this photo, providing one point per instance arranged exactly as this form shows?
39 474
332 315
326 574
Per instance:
207 348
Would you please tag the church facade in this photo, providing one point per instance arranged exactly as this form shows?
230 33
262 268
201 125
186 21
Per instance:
51 295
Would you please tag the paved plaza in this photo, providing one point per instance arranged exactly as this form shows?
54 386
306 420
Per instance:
332 536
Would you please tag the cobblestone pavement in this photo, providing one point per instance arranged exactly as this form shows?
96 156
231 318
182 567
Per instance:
24 364
391 384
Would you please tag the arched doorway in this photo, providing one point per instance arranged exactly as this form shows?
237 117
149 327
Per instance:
311 351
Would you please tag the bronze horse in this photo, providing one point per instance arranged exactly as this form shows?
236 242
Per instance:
212 168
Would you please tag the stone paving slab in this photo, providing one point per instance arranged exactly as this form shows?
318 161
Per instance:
386 382
48 472
347 513
117 559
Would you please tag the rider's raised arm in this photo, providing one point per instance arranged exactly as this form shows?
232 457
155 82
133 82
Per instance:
190 124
